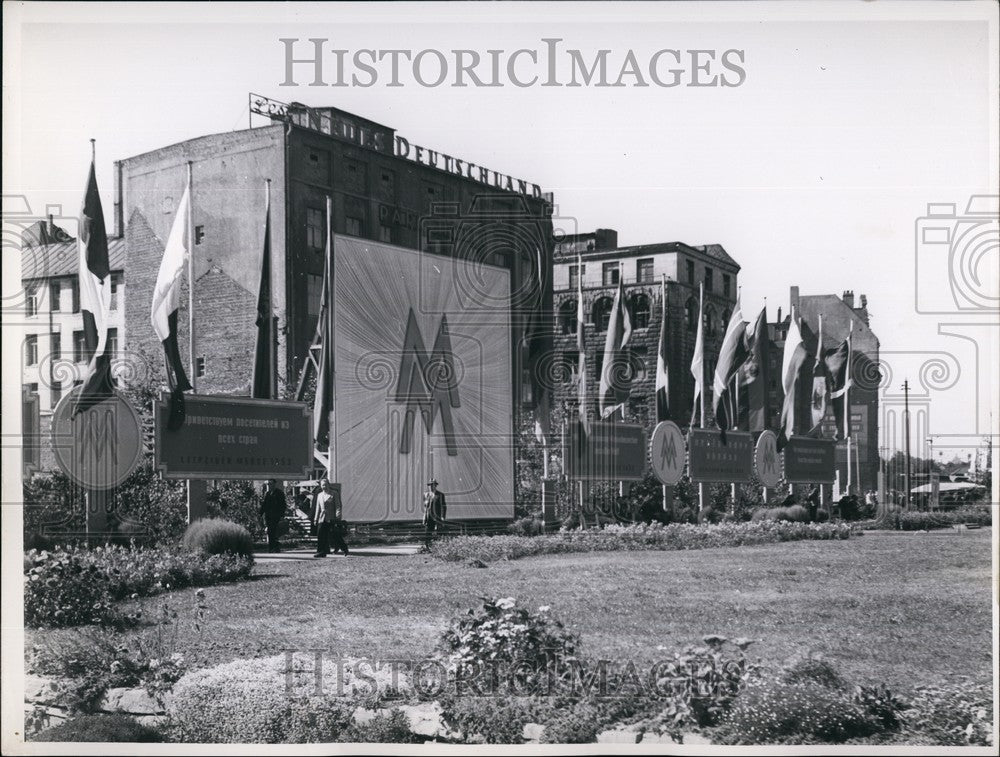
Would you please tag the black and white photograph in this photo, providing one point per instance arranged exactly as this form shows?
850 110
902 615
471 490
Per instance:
538 378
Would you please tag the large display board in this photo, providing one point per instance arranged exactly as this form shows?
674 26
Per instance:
423 383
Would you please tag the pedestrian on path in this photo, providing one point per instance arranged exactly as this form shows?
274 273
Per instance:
273 509
330 526
435 511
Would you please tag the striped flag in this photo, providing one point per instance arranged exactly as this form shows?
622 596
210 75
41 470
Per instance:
167 294
614 387
698 360
731 356
95 297
755 376
791 363
838 363
581 347
662 374
820 384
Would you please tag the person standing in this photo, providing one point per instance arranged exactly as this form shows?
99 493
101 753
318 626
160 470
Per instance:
273 511
435 511
324 518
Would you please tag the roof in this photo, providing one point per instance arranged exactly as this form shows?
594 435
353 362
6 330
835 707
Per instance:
55 260
715 251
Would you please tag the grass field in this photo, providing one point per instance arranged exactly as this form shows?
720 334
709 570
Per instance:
898 608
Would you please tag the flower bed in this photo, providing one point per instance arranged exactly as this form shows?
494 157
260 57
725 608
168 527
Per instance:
925 521
655 536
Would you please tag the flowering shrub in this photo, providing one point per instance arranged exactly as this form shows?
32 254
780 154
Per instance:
957 713
100 728
214 536
76 586
675 536
503 639
65 588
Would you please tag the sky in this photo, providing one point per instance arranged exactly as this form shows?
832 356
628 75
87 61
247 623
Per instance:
814 172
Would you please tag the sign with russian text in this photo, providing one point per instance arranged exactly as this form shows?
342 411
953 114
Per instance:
235 437
712 460
767 462
610 452
809 461
667 452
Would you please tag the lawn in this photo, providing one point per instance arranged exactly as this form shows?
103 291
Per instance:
899 608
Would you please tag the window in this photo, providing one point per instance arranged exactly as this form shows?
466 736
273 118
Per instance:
55 346
33 387
199 234
385 233
644 270
56 394
727 285
709 321
80 354
31 301
112 346
315 239
353 226
708 279
387 183
602 313
574 275
31 350
611 272
640 311
116 281
199 367
567 317
314 295
690 271
55 292
691 314
76 296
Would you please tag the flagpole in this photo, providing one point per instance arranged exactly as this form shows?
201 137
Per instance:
701 326
847 405
197 489
332 453
271 320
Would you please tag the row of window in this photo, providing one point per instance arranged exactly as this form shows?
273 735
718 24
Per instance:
354 226
56 288
80 352
639 313
610 273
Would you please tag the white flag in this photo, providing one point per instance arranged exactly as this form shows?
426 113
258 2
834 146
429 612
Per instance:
167 292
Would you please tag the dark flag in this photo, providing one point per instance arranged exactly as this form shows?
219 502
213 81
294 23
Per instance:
731 356
323 399
838 363
95 297
755 376
539 350
264 373
662 373
820 385
615 384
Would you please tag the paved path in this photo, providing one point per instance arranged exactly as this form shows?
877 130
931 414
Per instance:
373 550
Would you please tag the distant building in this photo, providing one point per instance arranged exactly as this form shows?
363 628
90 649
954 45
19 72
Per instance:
642 269
839 313
55 356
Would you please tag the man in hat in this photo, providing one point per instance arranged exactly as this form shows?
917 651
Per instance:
273 511
435 511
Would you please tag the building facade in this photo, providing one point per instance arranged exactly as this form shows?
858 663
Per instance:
641 269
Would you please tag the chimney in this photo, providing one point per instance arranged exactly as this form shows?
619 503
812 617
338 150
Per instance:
779 314
849 298
607 239
51 229
793 298
864 302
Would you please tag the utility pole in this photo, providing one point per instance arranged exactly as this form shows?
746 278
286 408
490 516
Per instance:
906 421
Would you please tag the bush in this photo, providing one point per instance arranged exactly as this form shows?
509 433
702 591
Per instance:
812 669
148 571
393 728
213 536
956 713
530 525
578 724
101 728
491 720
777 712
239 502
674 536
65 588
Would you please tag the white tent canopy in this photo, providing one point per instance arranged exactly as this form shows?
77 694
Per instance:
946 486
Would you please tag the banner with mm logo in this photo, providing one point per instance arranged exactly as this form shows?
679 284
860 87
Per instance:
809 461
712 461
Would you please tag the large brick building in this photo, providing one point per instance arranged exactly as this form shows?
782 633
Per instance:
642 269
382 188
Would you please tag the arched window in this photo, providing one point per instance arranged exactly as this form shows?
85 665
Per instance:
602 313
640 311
709 321
567 317
691 314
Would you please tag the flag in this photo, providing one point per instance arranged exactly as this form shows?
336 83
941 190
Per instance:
820 384
264 352
539 350
791 363
95 297
581 348
698 360
662 375
167 294
755 376
838 363
323 399
731 356
614 389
